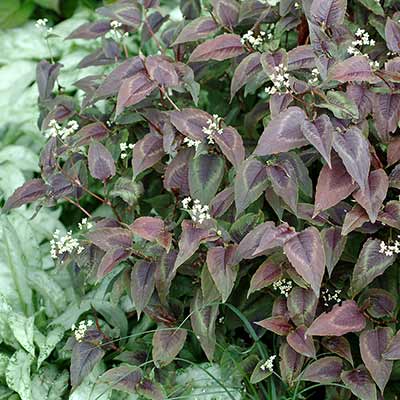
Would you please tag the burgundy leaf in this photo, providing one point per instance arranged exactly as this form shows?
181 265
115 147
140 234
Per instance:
370 264
320 135
392 351
162 71
291 363
353 149
378 302
220 262
27 193
373 343
90 30
94 131
190 122
360 383
362 97
334 185
167 343
101 163
392 34
283 133
340 320
220 204
393 152
354 219
391 214
372 198
110 260
356 68
125 12
278 324
177 172
146 152
142 284
302 305
306 253
133 90
328 12
268 272
325 370
221 48
124 378
334 244
152 229
279 102
338 345
46 75
394 177
227 11
164 274
110 238
231 145
386 111
301 343
197 29
301 57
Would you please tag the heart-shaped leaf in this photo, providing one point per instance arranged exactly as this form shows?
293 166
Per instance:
167 343
268 272
302 305
338 345
325 370
303 344
360 383
278 324
152 229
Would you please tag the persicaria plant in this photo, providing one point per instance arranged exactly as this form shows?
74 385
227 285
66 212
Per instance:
238 182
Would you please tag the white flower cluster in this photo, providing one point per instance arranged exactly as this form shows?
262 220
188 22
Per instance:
363 39
314 76
284 286
390 249
255 42
85 224
192 142
270 2
41 25
280 80
269 364
124 147
213 128
198 212
56 130
115 25
60 245
80 330
328 297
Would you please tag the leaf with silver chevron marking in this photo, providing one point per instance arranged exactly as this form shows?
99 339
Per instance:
227 11
109 238
301 57
338 345
371 263
164 274
220 204
27 193
205 175
125 12
220 48
342 319
333 185
250 182
302 305
197 29
353 69
191 238
147 152
392 351
124 378
110 260
353 148
152 229
360 383
372 198
325 370
90 30
167 343
283 133
133 90
386 112
278 324
291 363
142 284
161 70
334 244
390 215
267 273
94 131
328 12
320 135
301 343
305 252
220 263
231 144
354 219
190 122
392 34
101 163
373 343
249 66
176 177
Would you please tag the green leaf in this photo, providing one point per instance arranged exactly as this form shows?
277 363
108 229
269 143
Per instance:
18 374
12 13
22 157
341 105
50 383
50 4
22 329
48 343
259 374
373 6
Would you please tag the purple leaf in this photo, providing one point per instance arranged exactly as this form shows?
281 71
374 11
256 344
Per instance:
227 11
268 272
320 135
164 274
386 112
221 48
167 343
354 219
142 284
325 370
291 363
110 260
279 102
370 264
283 133
133 90
334 185
301 57
372 198
393 152
334 244
197 29
338 345
101 163
220 262
378 303
109 238
162 71
152 229
340 320
124 378
306 253
46 75
125 12
391 214
150 390
302 305
190 122
392 351
220 204
176 176
94 131
353 148
362 97
360 383
250 182
27 193
278 324
231 145
146 152
90 30
249 66
301 343
356 68
392 34
373 343
328 12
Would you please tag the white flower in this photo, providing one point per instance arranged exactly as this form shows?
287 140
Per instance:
280 80
192 142
80 330
269 364
199 213
85 224
255 42
115 25
363 39
328 296
284 286
390 249
41 23
315 76
213 128
66 244
56 130
124 147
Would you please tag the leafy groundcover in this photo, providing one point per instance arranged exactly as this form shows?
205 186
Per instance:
229 176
